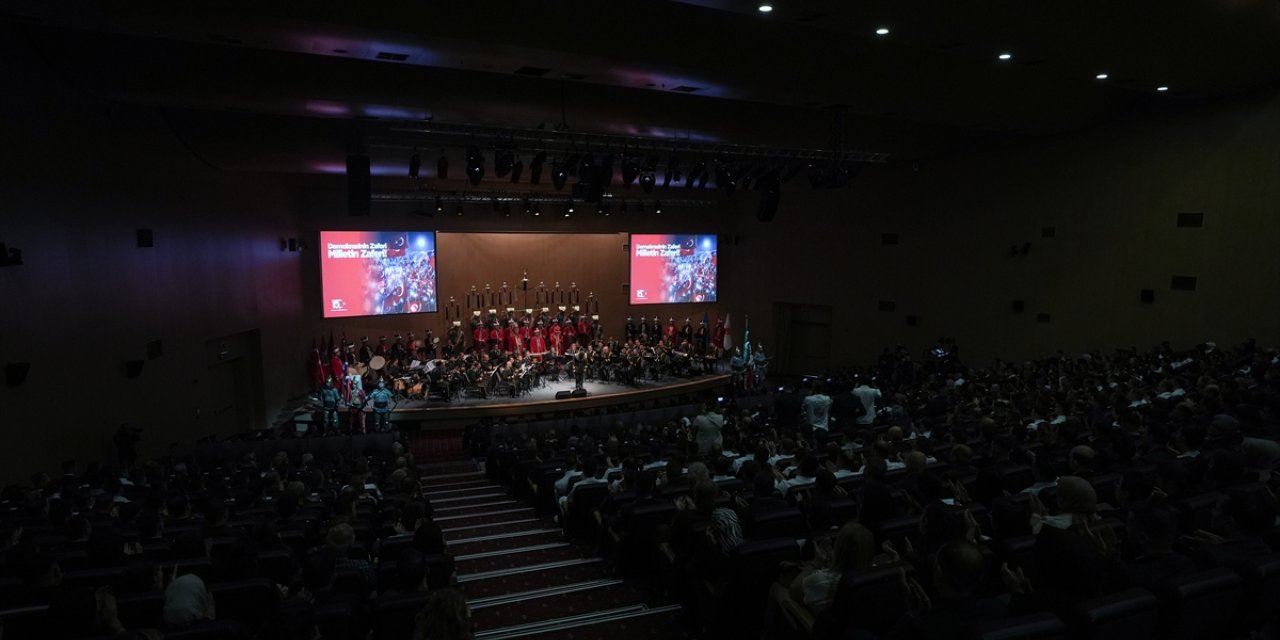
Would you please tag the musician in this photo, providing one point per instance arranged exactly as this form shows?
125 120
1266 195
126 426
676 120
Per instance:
579 368
557 337
329 398
428 349
526 332
383 348
381 398
495 337
669 334
596 332
538 345
686 333
399 349
584 331
479 337
514 345
366 351
632 332
453 344
655 332
569 334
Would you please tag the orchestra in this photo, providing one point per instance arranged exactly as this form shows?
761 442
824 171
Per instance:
510 357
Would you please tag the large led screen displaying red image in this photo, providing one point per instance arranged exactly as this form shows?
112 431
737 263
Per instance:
668 268
375 273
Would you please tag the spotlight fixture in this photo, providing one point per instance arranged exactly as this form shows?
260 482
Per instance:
882 31
1162 88
647 181
535 167
442 167
503 161
527 209
568 208
765 8
415 164
459 211
439 205
1005 56
657 206
516 170
1101 76
537 210
506 211
605 171
475 165
599 209
559 175
630 170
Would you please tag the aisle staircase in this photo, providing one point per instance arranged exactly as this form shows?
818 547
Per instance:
523 580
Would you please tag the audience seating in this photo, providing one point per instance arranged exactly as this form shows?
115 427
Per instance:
1132 614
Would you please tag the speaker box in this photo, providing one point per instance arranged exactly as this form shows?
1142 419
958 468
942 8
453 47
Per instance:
579 393
564 395
133 368
15 373
358 185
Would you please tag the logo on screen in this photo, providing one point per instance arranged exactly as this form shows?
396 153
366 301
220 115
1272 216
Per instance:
338 304
641 294
686 247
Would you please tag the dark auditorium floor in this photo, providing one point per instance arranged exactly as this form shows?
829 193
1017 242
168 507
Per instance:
522 579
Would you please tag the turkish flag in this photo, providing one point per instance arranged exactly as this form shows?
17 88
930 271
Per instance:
686 247
397 246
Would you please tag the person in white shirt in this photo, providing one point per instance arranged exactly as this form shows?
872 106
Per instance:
868 395
816 409
707 427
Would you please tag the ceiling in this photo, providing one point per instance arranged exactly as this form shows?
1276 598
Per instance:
289 86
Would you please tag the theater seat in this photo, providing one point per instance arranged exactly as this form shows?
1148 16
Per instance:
246 601
389 549
209 630
1197 511
393 618
1040 626
25 622
1200 605
141 610
751 568
1127 615
1261 592
783 523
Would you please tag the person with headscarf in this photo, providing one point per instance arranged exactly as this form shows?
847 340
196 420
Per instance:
1074 555
186 600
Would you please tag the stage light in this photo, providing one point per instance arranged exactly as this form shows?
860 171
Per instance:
439 205
506 211
666 177
882 31
527 208
415 164
1101 76
568 209
1162 88
702 181
516 170
475 165
442 167
1005 56
558 175
605 172
459 211
537 210
535 167
630 171
599 209
503 162
673 167
694 173
657 206
646 182
571 165
765 8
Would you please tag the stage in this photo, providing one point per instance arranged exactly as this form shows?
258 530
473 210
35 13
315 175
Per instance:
541 403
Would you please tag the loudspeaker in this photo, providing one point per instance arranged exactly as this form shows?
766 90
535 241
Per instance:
579 393
1147 295
563 395
359 187
15 373
133 368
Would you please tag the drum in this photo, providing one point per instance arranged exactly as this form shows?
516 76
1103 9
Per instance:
400 386
377 363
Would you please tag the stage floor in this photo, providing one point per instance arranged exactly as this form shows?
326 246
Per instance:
547 392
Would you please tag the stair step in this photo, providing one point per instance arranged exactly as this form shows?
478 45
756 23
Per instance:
500 503
496 526
485 514
552 604
559 625
478 496
504 536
